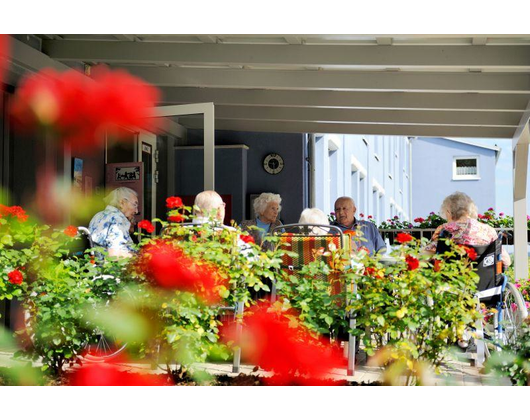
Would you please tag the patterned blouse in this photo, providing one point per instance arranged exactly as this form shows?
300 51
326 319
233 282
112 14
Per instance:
110 229
471 232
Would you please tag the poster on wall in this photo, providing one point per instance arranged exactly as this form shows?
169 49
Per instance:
77 174
127 174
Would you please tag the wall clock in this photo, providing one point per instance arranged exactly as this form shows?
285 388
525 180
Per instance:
273 163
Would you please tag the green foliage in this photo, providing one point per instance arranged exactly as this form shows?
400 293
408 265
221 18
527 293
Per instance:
318 292
513 362
429 307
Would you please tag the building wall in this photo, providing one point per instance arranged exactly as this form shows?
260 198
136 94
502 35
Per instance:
290 183
432 174
373 170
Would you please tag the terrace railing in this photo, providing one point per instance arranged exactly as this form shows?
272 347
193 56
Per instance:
427 233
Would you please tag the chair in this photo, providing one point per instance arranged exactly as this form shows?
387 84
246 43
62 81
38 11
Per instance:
494 291
305 240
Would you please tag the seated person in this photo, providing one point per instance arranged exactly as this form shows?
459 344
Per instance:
110 228
463 226
209 207
315 216
345 213
267 207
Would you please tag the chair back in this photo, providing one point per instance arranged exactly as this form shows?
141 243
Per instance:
488 265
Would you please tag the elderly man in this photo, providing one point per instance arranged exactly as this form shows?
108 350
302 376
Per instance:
345 214
208 207
110 228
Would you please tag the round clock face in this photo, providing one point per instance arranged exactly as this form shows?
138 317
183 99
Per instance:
273 163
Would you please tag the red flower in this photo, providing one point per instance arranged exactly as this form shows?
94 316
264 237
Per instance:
403 238
471 252
81 109
413 263
13 211
370 217
248 239
291 353
70 231
419 220
176 218
173 202
437 265
372 272
169 267
15 277
147 226
361 215
104 374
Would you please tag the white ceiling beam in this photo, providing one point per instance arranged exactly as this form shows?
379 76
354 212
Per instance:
351 36
31 59
207 39
293 40
479 40
403 56
338 99
509 119
521 134
377 129
384 41
125 37
335 80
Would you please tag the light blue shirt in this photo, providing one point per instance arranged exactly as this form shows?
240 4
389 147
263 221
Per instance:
374 242
265 226
110 229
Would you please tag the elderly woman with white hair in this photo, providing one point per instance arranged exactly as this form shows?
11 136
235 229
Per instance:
110 228
267 207
463 226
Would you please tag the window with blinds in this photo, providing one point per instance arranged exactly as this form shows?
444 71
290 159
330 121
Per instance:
465 168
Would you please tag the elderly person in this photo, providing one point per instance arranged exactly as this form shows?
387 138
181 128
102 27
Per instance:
345 214
315 216
208 207
110 228
463 226
267 207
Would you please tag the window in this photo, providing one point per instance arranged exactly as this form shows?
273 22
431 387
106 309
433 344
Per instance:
465 168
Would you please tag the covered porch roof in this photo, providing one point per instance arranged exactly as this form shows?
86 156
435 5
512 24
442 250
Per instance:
411 85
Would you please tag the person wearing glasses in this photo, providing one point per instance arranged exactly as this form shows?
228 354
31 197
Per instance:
110 228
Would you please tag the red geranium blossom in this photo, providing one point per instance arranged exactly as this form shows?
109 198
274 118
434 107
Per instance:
437 265
248 239
147 226
413 263
15 277
81 109
471 252
174 202
372 272
176 218
269 341
70 231
104 374
419 220
403 238
13 211
169 267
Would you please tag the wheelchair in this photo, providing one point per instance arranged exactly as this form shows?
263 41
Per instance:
496 295
305 241
103 347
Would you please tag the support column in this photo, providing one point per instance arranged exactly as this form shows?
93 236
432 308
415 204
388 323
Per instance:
209 147
520 173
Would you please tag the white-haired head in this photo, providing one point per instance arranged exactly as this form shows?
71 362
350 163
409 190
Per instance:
315 216
124 199
209 204
457 206
267 207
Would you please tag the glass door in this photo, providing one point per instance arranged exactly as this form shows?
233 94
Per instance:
147 155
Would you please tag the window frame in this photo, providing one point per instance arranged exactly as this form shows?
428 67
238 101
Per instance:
457 177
